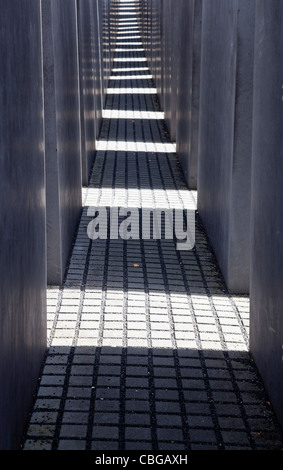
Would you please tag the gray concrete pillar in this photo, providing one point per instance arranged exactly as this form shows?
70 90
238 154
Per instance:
266 321
22 216
167 62
99 7
90 82
225 134
156 42
159 60
174 71
188 53
62 132
147 32
160 87
105 42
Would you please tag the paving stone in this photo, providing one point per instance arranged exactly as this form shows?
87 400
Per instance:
106 418
41 430
105 432
73 430
44 417
137 419
170 434
46 404
71 444
37 444
137 433
169 420
75 417
104 445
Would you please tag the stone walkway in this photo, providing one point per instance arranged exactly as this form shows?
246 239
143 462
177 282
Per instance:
146 348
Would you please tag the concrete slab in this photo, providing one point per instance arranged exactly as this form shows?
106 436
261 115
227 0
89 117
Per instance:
266 338
188 52
90 83
157 60
22 216
167 62
225 135
62 132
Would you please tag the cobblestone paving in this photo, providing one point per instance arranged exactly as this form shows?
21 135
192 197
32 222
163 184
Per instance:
146 348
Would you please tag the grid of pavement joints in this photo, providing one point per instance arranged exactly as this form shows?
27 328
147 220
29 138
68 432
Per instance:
146 348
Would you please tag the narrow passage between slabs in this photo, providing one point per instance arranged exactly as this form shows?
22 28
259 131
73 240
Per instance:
146 348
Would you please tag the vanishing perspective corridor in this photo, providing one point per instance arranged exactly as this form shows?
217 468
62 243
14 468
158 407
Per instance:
147 350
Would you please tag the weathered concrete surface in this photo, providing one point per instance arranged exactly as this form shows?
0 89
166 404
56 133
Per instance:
173 52
189 13
175 48
146 25
266 328
22 216
107 22
225 134
99 98
160 82
156 43
157 37
62 132
152 34
167 62
90 82
185 12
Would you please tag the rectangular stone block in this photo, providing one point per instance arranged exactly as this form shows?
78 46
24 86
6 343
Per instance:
90 82
167 62
225 134
156 44
151 21
266 295
22 216
62 132
146 27
104 9
188 15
